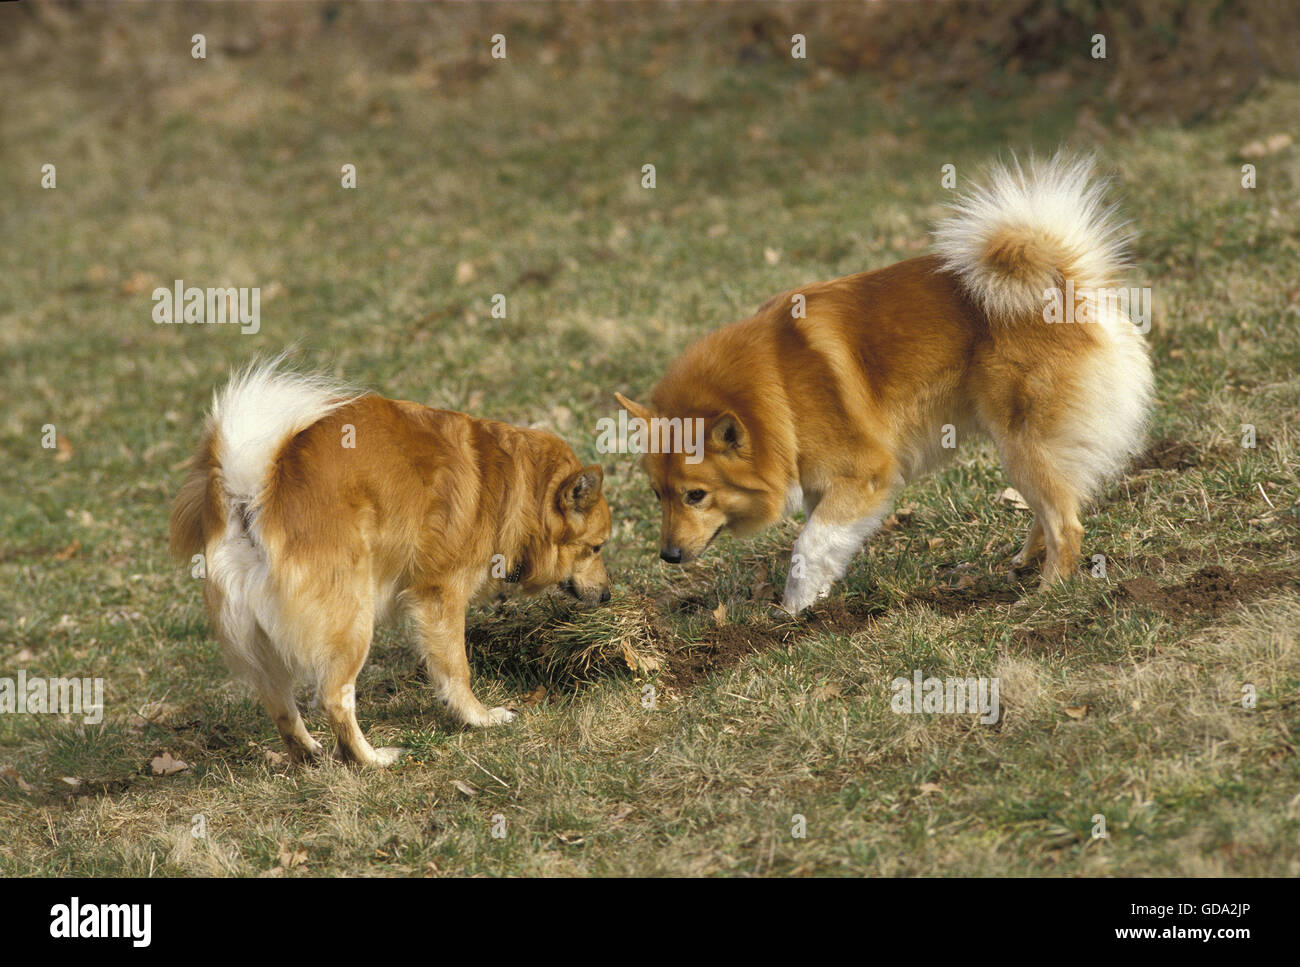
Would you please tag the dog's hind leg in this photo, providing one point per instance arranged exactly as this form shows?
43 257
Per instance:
1055 502
1034 545
344 657
254 660
275 688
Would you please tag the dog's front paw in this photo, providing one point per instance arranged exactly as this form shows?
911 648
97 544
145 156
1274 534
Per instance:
493 716
371 758
802 595
386 756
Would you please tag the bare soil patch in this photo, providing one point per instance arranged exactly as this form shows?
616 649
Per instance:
1209 591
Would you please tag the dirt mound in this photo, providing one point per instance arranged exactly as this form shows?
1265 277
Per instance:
724 647
1167 455
1211 590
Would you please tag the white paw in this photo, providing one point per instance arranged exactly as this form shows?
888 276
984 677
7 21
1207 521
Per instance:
494 716
387 755
801 596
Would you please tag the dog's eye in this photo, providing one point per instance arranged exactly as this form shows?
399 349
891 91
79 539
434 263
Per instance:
595 548
656 490
694 496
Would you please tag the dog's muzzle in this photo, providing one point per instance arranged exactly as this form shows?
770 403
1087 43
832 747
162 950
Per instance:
568 587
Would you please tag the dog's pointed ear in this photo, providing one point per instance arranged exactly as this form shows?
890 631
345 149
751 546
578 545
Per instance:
580 490
634 409
726 432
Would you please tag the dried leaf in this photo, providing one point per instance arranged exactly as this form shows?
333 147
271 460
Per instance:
1012 497
137 282
720 615
926 788
292 858
466 789
1259 149
1076 711
165 765
9 772
637 662
68 552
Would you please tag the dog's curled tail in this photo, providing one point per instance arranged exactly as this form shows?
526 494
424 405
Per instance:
185 530
252 417
1020 236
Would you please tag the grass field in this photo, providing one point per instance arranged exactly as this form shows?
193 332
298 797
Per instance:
1122 694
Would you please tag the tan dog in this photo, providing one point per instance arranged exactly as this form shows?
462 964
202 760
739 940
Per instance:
317 510
838 393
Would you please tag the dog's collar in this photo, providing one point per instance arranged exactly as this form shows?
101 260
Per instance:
516 573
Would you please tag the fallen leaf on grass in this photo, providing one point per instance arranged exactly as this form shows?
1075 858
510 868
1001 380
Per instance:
1259 149
823 692
637 662
1076 711
136 283
166 765
9 772
720 615
1012 497
535 697
292 858
464 788
926 788
68 552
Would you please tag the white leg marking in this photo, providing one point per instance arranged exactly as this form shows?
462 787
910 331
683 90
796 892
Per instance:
821 556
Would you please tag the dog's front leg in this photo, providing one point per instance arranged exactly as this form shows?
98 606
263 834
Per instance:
441 620
836 530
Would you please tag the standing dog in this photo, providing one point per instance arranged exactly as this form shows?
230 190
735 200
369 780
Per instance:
316 510
836 394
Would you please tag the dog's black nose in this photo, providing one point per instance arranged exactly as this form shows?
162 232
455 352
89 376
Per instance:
604 596
673 555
